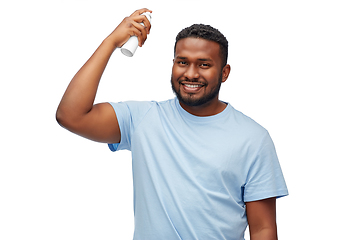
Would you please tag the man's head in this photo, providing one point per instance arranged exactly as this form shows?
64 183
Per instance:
206 32
200 65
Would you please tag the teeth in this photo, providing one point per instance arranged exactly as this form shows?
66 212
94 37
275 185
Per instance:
192 86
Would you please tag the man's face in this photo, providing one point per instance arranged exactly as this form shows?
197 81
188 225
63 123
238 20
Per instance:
197 72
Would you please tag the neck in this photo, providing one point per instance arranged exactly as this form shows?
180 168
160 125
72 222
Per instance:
208 109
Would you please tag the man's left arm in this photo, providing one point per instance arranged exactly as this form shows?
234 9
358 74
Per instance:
261 217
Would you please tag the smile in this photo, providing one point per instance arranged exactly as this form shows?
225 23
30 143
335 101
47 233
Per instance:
192 86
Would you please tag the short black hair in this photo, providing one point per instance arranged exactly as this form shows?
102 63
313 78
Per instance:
206 32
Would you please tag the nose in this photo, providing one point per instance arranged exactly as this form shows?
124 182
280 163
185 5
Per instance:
192 72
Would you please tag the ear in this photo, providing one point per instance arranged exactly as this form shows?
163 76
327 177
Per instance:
225 72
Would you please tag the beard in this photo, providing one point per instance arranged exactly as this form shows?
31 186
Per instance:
191 100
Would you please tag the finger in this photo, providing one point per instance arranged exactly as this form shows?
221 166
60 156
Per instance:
147 24
137 33
140 11
143 19
142 33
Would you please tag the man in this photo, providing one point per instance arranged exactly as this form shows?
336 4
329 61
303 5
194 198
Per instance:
202 170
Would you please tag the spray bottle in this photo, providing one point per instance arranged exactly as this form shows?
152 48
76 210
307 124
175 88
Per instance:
129 48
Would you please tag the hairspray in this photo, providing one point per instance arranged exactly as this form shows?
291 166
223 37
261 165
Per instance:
129 48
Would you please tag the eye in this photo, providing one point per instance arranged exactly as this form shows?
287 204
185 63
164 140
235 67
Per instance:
181 63
205 65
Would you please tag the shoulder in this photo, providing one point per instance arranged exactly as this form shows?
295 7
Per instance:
246 124
132 107
132 104
142 104
141 108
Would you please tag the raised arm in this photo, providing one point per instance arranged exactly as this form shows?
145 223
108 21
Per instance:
76 111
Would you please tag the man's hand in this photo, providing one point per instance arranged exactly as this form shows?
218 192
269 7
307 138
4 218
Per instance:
131 26
262 219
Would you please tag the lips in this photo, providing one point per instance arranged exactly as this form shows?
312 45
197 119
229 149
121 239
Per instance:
191 87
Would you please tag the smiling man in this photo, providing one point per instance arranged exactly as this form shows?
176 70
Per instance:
201 169
198 71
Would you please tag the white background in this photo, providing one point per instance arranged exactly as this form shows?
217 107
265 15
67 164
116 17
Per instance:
295 70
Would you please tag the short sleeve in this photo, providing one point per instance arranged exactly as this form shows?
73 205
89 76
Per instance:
265 178
128 114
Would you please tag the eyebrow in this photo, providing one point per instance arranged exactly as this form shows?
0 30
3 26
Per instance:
205 59
200 59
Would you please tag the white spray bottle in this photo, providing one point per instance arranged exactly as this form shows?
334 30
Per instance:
129 48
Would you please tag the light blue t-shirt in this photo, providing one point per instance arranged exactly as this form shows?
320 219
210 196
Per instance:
193 175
